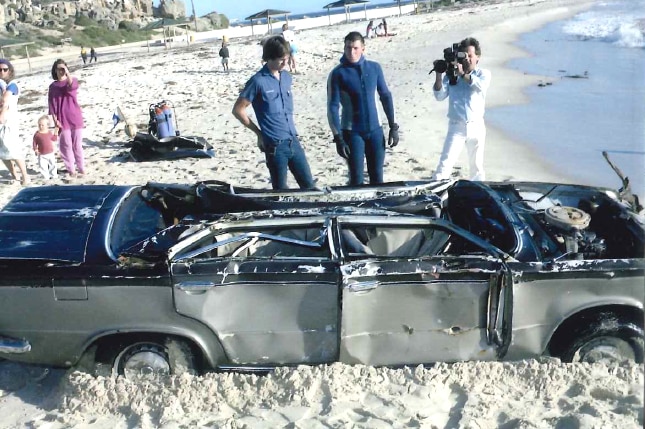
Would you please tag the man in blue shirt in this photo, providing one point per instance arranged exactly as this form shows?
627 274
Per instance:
269 91
354 85
465 112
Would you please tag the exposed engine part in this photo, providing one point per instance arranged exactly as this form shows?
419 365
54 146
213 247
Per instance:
581 244
567 225
567 218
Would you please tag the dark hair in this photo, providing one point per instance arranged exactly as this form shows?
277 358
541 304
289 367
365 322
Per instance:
55 66
471 41
354 36
274 48
9 76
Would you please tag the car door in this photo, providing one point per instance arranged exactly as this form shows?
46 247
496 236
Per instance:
268 291
420 296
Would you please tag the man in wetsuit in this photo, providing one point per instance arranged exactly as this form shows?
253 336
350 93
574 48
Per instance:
352 86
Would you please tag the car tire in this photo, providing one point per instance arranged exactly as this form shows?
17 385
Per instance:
145 359
136 359
610 344
142 359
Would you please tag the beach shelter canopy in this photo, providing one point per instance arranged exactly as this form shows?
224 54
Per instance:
346 4
166 22
267 14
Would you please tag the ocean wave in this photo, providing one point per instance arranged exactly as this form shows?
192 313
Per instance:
625 28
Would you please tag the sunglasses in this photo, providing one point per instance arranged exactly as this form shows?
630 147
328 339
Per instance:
4 69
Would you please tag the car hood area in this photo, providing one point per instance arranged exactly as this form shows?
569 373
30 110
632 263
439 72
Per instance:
54 222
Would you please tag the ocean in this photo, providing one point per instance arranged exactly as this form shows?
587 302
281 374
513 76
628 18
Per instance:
597 105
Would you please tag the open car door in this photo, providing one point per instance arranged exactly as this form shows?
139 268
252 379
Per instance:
419 294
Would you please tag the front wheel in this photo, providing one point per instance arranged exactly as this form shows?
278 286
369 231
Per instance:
607 345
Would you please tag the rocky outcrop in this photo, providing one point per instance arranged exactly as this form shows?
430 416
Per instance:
16 14
172 9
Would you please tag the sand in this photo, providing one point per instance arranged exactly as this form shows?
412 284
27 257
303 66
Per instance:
530 394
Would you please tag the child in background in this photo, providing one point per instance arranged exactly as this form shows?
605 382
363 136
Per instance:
44 148
223 52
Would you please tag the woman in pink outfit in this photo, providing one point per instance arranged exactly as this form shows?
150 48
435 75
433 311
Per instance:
63 105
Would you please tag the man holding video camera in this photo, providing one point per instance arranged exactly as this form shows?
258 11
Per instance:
459 79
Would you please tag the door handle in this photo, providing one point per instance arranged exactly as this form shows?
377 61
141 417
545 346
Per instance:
194 288
363 286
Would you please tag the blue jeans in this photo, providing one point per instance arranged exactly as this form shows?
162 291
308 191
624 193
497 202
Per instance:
369 146
283 154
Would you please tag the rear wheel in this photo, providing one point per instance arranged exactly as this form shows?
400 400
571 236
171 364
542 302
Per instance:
142 360
145 358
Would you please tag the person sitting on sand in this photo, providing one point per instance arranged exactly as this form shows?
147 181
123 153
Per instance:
369 32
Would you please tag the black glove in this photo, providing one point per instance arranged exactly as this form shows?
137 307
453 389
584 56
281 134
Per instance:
341 147
439 66
393 138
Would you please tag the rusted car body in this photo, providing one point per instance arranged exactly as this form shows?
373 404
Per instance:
166 277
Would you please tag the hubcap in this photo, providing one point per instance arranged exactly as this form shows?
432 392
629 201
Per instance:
143 360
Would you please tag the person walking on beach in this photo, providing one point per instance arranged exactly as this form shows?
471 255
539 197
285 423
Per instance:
43 146
290 37
84 55
269 92
63 105
92 55
352 86
224 54
465 112
11 150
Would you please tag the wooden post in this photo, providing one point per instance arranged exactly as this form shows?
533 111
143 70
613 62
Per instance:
28 59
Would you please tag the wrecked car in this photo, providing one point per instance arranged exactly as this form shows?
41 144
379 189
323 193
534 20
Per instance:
165 278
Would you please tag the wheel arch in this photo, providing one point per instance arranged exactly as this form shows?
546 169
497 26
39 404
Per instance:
565 334
207 348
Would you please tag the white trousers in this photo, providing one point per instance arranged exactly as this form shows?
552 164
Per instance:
47 165
471 134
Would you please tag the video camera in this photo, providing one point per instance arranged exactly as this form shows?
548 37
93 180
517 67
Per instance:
447 64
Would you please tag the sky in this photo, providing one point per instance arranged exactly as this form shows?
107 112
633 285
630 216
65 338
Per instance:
242 8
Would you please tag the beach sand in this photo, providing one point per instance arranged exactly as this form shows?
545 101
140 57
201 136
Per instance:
475 395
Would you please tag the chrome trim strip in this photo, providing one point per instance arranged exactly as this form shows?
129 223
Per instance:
14 345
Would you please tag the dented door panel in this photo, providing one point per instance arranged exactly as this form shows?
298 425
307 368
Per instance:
277 312
417 311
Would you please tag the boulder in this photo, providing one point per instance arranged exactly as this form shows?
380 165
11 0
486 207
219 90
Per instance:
173 9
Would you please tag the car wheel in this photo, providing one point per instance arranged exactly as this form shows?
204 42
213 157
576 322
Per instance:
622 343
141 360
150 358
